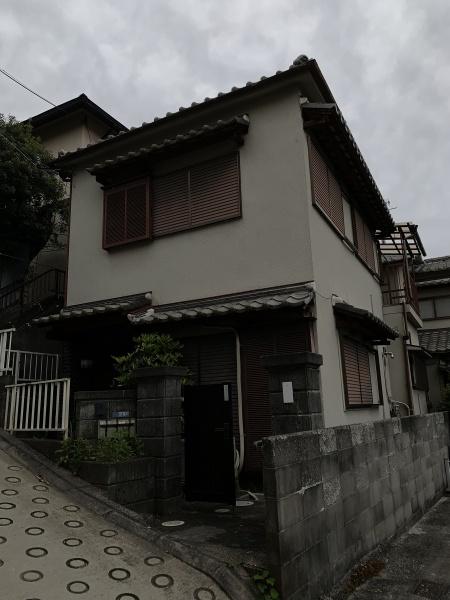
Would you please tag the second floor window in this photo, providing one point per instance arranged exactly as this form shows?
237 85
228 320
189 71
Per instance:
201 194
329 197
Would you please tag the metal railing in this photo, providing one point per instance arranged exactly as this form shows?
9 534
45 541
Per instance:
5 351
38 406
33 366
45 286
401 296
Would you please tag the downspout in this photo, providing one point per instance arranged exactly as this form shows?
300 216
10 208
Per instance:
406 357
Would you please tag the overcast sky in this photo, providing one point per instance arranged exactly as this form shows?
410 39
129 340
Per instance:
387 63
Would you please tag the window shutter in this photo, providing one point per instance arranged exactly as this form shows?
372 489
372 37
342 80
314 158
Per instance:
114 219
319 176
138 217
336 202
215 190
126 214
357 380
370 252
171 203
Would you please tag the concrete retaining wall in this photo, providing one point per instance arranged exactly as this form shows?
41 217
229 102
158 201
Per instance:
333 494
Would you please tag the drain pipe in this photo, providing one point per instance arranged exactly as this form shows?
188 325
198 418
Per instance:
238 464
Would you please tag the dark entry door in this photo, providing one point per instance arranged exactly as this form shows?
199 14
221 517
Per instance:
209 449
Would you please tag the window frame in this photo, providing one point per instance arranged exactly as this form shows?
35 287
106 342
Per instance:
371 350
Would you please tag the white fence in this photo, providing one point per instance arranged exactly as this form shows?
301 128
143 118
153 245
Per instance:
33 366
38 406
5 350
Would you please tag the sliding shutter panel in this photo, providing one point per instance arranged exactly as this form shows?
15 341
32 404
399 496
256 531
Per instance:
370 252
114 226
336 202
171 211
360 235
357 378
365 380
137 212
215 190
319 176
351 371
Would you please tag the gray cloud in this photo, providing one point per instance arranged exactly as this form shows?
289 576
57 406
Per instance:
386 62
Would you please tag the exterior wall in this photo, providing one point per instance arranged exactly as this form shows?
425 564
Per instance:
268 246
338 272
334 494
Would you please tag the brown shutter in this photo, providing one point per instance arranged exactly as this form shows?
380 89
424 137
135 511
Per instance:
114 227
215 190
171 210
370 255
336 203
357 380
126 214
137 216
359 234
319 176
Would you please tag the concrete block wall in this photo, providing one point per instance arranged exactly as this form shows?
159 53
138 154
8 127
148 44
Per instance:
333 494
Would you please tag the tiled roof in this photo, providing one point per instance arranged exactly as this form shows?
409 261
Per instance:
300 63
365 317
292 297
433 282
435 340
439 263
240 121
100 307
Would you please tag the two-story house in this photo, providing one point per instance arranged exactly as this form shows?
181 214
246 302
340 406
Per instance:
244 225
433 282
31 286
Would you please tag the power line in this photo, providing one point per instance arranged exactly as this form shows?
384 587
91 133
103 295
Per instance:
25 86
35 164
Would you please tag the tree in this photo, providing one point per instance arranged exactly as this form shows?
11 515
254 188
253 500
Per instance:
31 194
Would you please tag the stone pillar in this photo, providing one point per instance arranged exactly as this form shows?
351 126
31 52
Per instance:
294 390
158 425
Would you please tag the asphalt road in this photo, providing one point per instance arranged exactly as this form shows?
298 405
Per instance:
52 549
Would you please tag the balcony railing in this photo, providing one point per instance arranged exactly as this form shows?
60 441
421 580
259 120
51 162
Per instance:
401 296
47 286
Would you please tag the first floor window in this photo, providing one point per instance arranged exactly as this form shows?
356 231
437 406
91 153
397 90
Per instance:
361 372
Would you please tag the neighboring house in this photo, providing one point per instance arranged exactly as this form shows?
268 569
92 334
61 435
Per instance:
433 281
400 252
30 289
244 225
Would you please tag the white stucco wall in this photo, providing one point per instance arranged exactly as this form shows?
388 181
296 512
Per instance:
268 246
435 292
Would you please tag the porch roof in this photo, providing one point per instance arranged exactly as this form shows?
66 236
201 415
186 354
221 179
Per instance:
433 282
299 296
435 340
366 322
100 307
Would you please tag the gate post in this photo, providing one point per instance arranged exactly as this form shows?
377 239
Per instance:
158 425
294 391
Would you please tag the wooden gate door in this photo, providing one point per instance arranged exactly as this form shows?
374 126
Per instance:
209 449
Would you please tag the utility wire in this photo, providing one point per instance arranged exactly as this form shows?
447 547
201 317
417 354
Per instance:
25 86
35 164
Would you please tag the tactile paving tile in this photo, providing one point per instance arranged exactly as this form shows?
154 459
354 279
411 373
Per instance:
52 549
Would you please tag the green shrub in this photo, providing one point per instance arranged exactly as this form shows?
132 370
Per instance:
265 584
73 452
120 447
152 350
